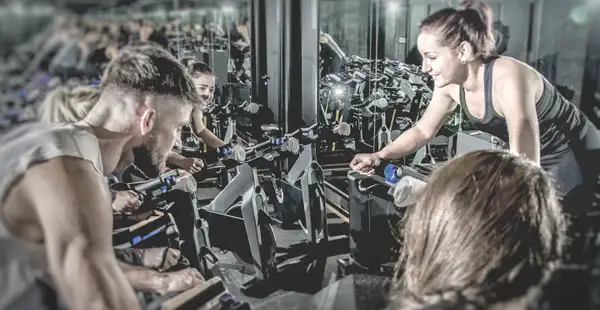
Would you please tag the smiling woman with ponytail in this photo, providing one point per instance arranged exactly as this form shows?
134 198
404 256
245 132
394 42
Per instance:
504 97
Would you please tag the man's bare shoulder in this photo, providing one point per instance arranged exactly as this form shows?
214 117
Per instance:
38 143
52 191
59 178
66 168
35 133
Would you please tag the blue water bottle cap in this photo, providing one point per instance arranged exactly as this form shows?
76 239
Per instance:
390 174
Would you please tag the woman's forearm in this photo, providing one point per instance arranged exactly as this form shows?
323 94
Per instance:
407 143
210 139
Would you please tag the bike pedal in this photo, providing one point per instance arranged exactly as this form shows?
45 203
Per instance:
344 267
203 213
265 218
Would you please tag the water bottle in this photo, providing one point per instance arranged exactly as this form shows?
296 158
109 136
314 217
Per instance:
391 173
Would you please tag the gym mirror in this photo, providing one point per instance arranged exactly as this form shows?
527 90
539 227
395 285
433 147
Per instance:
216 33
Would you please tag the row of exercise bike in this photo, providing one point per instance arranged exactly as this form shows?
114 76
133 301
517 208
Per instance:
240 221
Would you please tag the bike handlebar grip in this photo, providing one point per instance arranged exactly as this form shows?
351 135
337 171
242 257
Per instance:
238 153
334 77
252 108
342 129
292 145
186 183
380 103
360 75
165 179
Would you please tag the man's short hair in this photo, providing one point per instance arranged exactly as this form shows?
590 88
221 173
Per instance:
150 69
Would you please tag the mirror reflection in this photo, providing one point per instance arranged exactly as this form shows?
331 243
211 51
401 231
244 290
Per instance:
214 43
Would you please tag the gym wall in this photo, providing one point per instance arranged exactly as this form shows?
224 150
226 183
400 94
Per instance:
550 35
19 21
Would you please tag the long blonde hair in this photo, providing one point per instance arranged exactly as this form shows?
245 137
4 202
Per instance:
487 228
68 106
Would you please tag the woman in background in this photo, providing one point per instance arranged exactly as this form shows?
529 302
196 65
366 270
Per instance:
65 106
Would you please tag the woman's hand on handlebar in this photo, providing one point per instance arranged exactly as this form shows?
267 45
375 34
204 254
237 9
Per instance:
126 201
365 162
191 164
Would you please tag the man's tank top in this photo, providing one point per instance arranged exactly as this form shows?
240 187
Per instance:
564 130
22 262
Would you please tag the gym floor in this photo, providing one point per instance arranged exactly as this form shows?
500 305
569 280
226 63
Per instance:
302 289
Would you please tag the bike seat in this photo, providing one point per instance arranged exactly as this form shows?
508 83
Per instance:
269 128
403 123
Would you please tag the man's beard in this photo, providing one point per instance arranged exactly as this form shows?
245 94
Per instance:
147 159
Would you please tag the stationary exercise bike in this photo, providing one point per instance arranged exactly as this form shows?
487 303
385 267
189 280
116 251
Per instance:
228 216
377 208
303 185
133 233
224 118
227 156
173 197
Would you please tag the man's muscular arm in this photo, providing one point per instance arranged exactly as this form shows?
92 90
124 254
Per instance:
73 207
143 279
147 280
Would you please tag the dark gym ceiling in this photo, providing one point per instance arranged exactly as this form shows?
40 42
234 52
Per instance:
85 5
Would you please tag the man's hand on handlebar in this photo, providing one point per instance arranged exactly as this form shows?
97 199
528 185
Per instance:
175 281
179 281
365 162
126 201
